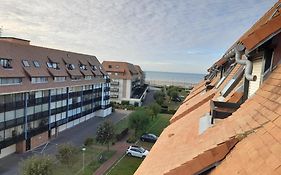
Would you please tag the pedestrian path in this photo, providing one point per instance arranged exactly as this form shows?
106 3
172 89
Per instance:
120 148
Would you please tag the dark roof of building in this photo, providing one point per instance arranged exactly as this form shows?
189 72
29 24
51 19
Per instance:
17 52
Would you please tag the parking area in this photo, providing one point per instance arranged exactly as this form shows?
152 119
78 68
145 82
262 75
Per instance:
75 135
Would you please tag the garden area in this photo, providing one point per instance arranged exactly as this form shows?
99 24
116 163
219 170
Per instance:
128 165
170 98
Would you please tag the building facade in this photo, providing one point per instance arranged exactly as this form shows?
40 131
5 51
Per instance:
45 91
127 82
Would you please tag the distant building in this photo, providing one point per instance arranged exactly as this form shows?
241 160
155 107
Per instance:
230 123
45 91
127 82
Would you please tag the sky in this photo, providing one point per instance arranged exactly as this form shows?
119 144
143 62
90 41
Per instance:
159 35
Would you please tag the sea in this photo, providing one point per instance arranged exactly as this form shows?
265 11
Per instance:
191 78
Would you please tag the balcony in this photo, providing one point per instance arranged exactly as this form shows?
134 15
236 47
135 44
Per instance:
107 89
113 96
107 80
114 90
114 83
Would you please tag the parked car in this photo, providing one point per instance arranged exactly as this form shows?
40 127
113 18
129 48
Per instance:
137 151
149 138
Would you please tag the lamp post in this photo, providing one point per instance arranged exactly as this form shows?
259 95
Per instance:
83 150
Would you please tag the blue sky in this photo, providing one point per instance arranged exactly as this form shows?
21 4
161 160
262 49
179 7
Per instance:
159 35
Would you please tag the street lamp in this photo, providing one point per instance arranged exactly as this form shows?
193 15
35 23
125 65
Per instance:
83 150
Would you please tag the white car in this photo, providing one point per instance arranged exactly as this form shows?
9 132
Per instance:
137 151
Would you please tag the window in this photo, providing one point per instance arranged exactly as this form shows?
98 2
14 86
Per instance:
70 66
117 66
5 63
88 77
233 82
39 80
94 67
116 73
25 63
109 66
49 65
53 65
59 79
36 63
75 78
10 81
83 67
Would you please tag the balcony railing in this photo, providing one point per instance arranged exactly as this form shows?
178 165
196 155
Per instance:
113 96
114 83
114 90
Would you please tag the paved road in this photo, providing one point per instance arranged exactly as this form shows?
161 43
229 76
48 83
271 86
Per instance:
149 99
75 135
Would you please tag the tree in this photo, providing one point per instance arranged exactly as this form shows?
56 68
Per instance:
66 154
159 97
139 120
174 95
42 165
105 133
155 109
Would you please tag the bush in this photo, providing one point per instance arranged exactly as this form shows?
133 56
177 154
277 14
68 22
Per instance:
121 135
132 139
89 141
66 154
125 102
43 165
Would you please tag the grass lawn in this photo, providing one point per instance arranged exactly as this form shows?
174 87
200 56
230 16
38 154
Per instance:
91 162
159 124
121 125
128 165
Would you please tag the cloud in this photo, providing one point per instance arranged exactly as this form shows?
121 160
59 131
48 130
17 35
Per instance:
177 33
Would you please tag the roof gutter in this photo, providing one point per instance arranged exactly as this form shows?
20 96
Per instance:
237 52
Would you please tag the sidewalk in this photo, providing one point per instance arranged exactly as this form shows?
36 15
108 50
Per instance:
120 148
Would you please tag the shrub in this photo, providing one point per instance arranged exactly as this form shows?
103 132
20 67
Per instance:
132 139
125 102
43 165
89 141
66 154
121 135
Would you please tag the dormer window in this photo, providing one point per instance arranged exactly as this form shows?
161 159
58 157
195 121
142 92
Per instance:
49 65
70 66
53 65
94 67
83 67
100 68
5 63
36 64
25 63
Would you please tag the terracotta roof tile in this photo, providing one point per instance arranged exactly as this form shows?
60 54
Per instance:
123 70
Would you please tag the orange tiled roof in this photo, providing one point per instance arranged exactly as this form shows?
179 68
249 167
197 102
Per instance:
190 152
265 27
123 70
